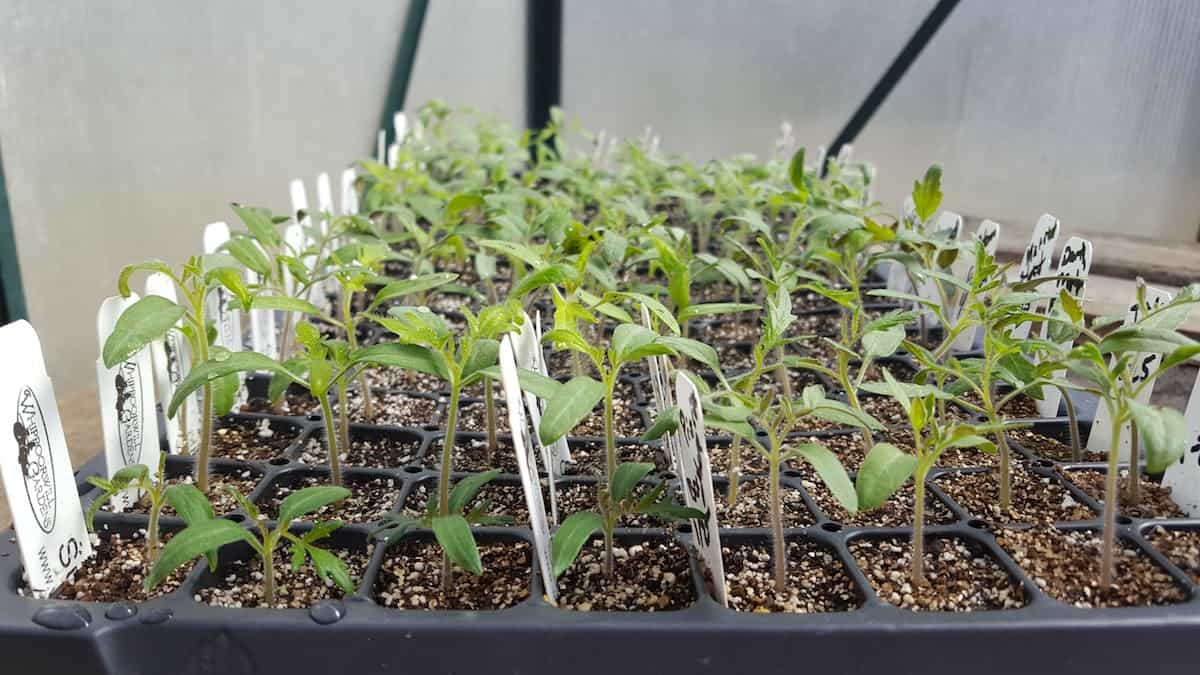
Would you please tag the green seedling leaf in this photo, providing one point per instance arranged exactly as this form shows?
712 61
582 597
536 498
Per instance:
627 477
693 349
329 566
307 500
879 343
1163 432
465 490
406 287
193 542
283 303
884 470
394 526
142 322
409 357
666 422
714 308
575 400
259 223
796 171
484 354
570 537
190 503
454 534
126 475
927 192
831 471
221 365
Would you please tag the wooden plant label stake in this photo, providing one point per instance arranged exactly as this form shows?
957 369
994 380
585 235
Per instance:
1183 477
1075 262
35 465
1100 439
349 201
527 347
696 480
170 357
227 319
988 234
1035 262
527 463
127 412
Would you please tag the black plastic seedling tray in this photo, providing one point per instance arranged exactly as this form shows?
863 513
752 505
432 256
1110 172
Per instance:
177 634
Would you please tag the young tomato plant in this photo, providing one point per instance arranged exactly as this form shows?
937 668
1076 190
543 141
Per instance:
431 347
1103 363
151 317
204 535
886 467
576 399
451 525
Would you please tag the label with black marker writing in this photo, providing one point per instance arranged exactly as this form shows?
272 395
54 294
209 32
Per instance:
1075 263
1183 477
1035 262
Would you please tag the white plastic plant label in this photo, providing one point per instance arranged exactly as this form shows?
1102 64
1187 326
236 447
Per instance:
696 480
1075 262
947 226
988 234
349 201
400 125
263 331
785 145
523 446
35 465
227 319
324 200
169 357
380 146
393 156
127 412
527 348
1100 438
845 155
821 157
299 198
1183 477
1035 262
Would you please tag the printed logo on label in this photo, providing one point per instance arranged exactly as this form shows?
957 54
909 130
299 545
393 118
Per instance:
173 348
129 410
36 460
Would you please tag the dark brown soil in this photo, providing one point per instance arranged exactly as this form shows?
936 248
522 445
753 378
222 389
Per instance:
410 578
890 413
396 409
470 454
222 502
588 459
1182 547
649 576
241 582
258 441
1050 448
385 452
897 511
1155 500
750 459
1021 407
473 417
507 499
293 403
753 506
408 380
960 575
575 497
116 571
1066 565
627 422
1035 498
369 500
816 580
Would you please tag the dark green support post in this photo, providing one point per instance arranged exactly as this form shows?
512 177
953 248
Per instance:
406 56
543 60
12 298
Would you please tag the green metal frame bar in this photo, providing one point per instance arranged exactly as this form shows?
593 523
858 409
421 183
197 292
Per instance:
406 56
543 60
12 295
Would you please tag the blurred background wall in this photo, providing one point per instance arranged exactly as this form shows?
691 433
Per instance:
126 126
